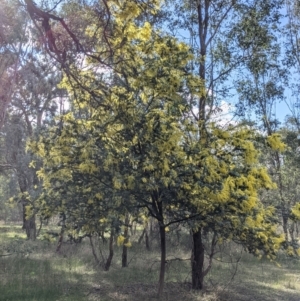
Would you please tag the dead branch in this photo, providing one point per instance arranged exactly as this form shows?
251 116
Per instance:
44 18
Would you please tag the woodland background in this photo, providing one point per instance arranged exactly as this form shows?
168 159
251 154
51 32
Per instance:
149 141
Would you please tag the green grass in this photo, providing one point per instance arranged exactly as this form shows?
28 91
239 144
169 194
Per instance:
35 271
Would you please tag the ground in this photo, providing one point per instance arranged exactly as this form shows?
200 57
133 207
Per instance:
33 271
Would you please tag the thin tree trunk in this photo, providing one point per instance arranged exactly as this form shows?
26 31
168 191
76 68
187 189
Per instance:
142 236
30 228
111 251
145 233
292 231
101 234
125 248
40 227
93 251
60 240
62 231
178 231
147 241
124 256
151 228
158 210
29 224
162 231
197 260
131 228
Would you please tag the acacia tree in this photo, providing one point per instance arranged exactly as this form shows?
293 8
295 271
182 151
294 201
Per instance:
132 143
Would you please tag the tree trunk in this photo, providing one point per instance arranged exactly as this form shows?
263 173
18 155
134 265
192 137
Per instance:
30 228
40 227
162 232
131 228
29 224
125 248
197 260
62 231
111 251
93 251
285 223
151 228
142 236
158 209
292 231
60 240
124 256
145 233
147 240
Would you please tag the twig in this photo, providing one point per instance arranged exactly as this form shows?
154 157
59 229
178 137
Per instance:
6 254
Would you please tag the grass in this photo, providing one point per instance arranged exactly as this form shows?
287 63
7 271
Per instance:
35 272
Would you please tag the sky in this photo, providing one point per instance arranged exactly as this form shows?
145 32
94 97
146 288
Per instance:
280 110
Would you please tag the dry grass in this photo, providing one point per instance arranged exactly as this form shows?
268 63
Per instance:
36 272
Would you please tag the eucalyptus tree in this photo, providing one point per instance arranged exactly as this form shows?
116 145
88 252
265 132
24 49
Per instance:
289 189
29 97
8 188
12 50
292 57
290 174
35 103
261 86
12 42
227 38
